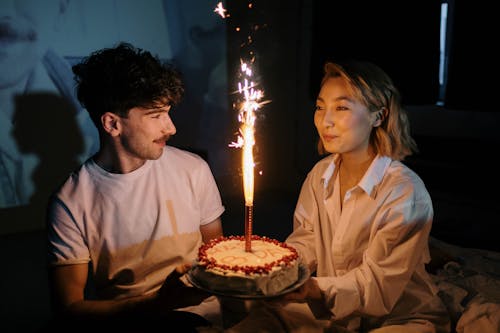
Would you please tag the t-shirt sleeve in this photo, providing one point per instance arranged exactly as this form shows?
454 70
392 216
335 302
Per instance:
66 244
208 195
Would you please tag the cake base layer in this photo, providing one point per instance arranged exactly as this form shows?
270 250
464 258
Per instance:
223 265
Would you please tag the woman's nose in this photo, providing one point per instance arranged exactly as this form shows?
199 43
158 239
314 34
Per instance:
328 118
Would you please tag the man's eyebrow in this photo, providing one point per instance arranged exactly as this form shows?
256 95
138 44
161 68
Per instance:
157 110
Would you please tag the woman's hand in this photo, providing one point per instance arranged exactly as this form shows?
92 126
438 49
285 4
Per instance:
308 291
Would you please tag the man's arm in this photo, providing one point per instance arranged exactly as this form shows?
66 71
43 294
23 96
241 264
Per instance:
211 230
139 313
68 283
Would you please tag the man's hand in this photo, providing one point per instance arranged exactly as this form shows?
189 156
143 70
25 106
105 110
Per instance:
174 293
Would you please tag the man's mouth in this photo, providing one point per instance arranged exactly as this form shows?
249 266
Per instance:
162 140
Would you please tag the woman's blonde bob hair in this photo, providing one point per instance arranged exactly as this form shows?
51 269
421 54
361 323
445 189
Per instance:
375 89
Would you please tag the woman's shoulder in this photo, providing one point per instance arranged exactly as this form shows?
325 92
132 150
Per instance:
399 175
323 163
399 170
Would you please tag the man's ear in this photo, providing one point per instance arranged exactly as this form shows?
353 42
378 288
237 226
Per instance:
111 124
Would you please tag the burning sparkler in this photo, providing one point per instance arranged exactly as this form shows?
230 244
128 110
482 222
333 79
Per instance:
251 102
246 141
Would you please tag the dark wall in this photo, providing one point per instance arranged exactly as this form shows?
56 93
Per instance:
400 36
473 57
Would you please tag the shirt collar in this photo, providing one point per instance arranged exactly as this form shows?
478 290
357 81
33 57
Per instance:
374 174
330 170
370 180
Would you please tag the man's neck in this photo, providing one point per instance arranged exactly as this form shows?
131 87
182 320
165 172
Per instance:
113 161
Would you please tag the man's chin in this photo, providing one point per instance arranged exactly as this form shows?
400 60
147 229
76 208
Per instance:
157 154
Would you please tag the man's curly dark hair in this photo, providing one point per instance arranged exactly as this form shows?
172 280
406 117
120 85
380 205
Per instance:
123 77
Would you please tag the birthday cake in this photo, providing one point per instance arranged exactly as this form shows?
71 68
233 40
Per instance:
223 265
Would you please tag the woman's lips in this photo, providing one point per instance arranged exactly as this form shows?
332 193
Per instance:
329 137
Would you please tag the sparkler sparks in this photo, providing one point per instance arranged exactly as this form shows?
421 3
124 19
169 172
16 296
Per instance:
220 10
250 102
246 140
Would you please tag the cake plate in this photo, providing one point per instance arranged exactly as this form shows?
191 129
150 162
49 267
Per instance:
303 276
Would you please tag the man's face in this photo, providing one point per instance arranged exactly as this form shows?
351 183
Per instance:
26 27
144 132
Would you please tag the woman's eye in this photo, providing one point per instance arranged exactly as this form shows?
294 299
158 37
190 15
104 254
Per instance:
318 108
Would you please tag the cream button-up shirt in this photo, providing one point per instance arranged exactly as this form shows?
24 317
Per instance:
369 256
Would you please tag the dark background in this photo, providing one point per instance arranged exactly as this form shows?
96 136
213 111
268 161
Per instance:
458 140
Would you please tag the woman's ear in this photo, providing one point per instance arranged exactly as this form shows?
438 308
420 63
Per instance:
110 123
380 116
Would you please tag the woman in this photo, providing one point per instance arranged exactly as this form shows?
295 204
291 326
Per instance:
363 218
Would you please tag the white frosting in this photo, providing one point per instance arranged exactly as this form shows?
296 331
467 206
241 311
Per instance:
232 252
236 277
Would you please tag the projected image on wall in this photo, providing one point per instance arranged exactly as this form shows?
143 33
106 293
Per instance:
44 131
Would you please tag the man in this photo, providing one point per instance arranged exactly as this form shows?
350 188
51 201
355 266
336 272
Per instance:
129 220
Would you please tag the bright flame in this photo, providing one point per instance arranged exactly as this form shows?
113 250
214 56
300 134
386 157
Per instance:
246 137
248 163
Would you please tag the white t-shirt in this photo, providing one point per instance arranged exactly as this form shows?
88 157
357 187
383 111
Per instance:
135 227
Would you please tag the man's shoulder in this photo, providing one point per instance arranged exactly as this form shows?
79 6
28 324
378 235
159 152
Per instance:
73 180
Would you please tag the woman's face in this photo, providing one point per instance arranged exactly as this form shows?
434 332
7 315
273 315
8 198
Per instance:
344 124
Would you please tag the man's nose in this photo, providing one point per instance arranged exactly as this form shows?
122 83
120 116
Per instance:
168 125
